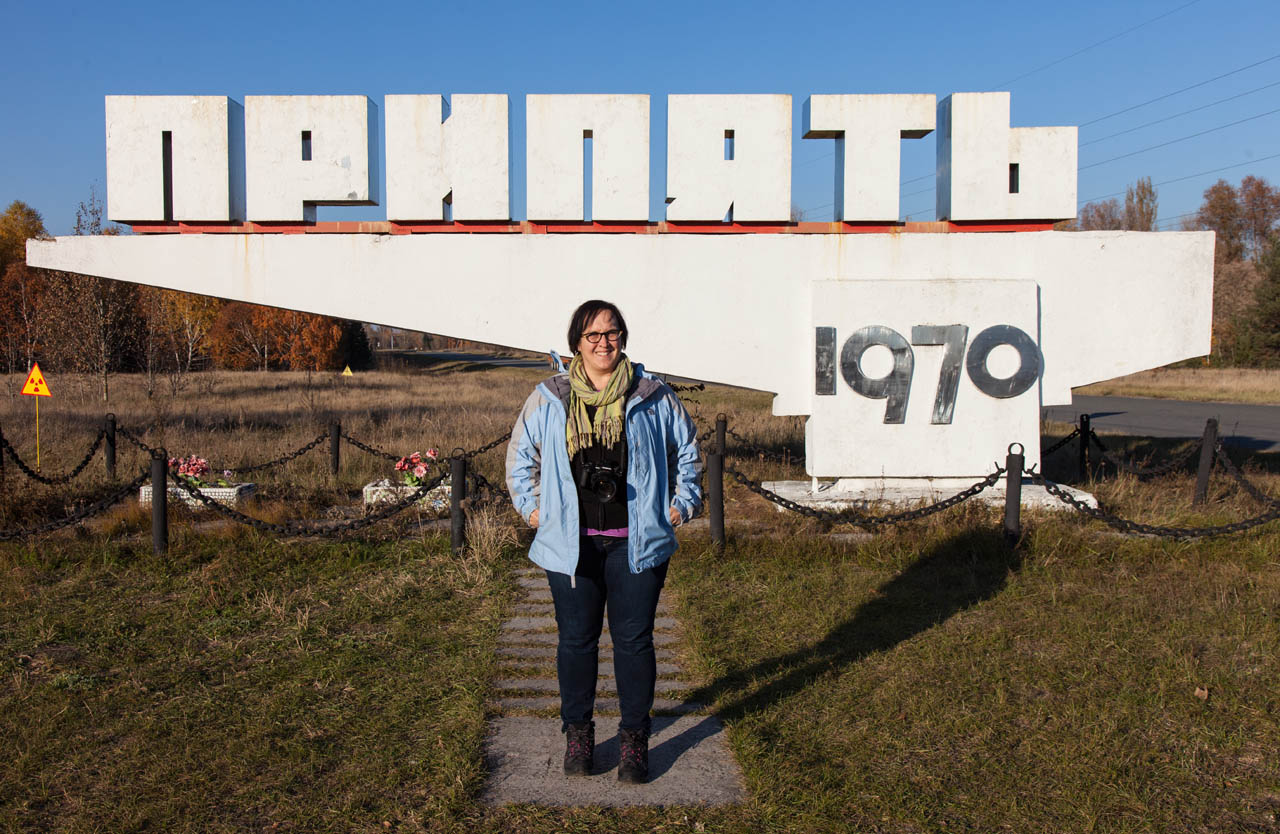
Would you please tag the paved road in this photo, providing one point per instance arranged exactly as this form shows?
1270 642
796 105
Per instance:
1253 427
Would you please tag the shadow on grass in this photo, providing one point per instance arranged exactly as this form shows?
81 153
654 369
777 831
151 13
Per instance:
953 575
1063 465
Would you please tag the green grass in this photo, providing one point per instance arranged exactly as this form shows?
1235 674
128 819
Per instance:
955 686
240 684
926 679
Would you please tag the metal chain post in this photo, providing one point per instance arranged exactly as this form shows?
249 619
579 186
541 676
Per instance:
1013 493
109 450
335 439
159 502
715 483
1085 432
1207 447
458 494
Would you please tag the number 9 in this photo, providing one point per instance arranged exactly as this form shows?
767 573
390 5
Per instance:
896 386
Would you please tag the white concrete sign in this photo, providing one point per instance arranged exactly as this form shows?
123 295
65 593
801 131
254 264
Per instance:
728 157
916 350
919 378
460 163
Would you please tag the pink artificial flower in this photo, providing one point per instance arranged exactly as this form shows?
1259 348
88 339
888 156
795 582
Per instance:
432 453
402 465
416 457
420 471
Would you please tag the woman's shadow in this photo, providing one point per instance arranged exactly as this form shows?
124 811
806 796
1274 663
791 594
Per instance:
957 573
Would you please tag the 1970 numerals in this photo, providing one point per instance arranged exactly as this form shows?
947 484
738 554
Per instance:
895 387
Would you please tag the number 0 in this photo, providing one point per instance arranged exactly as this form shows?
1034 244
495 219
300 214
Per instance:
1028 361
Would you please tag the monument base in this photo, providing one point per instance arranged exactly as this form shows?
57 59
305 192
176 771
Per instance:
863 493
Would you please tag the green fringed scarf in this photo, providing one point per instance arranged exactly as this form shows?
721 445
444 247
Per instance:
606 428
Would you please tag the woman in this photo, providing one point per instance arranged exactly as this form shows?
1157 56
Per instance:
603 462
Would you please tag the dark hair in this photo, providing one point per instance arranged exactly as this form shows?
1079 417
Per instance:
583 316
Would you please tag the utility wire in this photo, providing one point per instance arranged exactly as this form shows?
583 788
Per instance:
1183 113
1097 44
1179 92
1179 139
1191 176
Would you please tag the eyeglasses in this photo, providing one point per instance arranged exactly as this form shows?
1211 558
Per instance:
594 337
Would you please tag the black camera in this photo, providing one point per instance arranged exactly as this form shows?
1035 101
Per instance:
601 480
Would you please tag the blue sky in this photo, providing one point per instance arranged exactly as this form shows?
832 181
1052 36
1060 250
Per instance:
1063 63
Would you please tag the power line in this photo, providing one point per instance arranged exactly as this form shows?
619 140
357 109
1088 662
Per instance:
1128 109
1191 176
1179 139
1179 92
1183 113
1099 43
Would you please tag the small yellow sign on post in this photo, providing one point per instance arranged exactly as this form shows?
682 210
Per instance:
347 371
35 385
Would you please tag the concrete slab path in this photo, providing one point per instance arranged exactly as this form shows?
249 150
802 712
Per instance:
689 758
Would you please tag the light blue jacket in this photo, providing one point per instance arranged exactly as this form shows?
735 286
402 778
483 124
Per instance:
663 470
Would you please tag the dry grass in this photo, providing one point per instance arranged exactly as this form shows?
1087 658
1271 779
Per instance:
925 679
1230 385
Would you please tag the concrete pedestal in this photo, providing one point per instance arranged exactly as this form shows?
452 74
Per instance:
863 493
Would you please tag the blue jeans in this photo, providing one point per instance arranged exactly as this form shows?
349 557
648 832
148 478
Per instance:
603 578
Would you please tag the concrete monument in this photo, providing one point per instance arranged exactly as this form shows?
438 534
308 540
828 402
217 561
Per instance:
917 351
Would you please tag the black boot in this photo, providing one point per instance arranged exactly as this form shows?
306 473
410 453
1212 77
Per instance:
633 764
580 746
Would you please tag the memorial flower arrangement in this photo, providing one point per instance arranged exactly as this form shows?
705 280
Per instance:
195 471
417 466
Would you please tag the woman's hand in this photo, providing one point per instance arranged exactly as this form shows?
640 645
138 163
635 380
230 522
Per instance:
674 515
533 519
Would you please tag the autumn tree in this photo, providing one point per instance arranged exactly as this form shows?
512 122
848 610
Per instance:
242 338
1101 216
1259 214
317 345
22 292
19 223
1266 312
96 319
22 289
1140 206
1220 213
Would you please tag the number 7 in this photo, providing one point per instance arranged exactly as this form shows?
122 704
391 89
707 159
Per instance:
954 336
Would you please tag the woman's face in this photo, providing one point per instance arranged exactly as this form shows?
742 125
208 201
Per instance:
604 355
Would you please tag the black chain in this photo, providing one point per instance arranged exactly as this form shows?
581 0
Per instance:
79 515
483 484
866 521
493 444
677 387
294 528
1148 471
1238 476
1063 442
295 454
1127 526
136 441
56 479
373 450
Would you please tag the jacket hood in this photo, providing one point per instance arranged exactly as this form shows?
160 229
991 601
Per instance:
646 384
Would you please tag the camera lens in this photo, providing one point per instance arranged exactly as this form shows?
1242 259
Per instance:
604 486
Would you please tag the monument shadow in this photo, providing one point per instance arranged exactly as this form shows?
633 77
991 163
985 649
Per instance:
949 577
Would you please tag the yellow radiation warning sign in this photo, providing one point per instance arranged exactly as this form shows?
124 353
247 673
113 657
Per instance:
347 371
36 386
